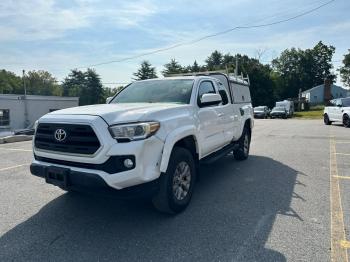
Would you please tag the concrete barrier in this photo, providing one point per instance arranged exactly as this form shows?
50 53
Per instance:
12 139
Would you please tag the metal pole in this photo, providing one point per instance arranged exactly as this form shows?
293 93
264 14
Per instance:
236 69
26 121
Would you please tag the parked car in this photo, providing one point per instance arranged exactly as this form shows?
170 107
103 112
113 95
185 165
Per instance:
338 111
288 105
279 112
149 139
261 112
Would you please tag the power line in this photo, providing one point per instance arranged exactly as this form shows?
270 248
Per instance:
210 36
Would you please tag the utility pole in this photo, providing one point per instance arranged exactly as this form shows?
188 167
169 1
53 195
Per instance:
236 68
26 121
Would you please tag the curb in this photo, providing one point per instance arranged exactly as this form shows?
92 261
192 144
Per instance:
13 139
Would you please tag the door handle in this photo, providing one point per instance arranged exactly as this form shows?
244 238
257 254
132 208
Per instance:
220 114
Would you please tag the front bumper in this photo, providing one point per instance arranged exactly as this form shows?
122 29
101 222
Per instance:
93 184
146 154
278 115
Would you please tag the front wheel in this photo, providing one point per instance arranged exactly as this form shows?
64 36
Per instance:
242 152
326 120
346 120
176 185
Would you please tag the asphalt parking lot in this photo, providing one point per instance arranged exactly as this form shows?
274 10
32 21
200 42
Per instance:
288 202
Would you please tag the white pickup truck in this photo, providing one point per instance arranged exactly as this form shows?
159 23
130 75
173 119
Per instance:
148 140
338 111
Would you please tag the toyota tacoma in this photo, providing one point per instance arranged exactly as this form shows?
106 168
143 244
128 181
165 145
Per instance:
148 140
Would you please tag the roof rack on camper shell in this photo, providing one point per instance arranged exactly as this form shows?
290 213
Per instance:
239 79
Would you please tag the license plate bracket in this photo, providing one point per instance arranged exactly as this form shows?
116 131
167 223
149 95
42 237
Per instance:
57 176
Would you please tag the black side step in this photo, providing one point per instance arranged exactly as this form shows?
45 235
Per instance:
219 154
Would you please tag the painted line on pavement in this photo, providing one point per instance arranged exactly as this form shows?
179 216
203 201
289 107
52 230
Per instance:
342 154
12 167
342 177
338 236
16 149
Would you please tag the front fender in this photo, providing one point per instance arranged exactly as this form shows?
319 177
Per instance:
170 141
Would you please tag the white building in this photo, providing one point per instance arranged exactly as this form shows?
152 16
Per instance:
19 111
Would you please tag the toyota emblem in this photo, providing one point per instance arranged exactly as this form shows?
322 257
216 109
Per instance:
60 135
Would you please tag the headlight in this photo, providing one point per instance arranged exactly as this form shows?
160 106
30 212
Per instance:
134 131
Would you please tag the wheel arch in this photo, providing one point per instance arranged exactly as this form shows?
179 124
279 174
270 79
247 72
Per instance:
185 138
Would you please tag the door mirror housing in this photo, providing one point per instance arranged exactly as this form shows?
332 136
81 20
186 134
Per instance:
210 100
109 99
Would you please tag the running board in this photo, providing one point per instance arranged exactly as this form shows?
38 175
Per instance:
219 154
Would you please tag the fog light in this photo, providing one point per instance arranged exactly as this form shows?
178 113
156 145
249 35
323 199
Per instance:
128 163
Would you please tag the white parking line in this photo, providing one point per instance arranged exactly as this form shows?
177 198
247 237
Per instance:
12 167
15 149
342 154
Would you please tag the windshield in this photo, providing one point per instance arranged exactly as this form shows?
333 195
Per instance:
346 102
156 91
279 108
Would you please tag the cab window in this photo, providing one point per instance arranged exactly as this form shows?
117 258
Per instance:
223 93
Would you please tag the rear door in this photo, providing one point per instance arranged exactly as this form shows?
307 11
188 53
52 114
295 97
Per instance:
338 110
226 113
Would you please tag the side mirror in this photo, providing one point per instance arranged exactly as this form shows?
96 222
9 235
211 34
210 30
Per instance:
109 99
339 105
210 100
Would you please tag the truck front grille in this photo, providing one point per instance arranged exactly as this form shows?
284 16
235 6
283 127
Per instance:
67 138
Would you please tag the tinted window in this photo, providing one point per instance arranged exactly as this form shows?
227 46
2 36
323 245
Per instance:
4 117
223 93
206 87
346 102
156 91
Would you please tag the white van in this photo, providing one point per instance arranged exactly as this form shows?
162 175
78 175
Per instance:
288 105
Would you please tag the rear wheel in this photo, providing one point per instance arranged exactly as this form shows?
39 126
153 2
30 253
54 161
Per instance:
242 152
346 120
176 185
326 120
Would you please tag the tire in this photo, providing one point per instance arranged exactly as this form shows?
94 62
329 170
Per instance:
346 120
176 185
326 120
242 152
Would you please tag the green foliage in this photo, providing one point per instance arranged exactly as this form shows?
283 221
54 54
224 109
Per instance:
10 83
345 70
214 61
86 85
302 69
42 83
146 71
173 67
109 92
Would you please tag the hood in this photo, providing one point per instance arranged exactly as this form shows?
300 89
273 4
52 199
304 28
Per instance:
119 113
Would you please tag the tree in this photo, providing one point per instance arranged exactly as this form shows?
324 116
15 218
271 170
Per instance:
86 85
296 68
262 85
94 88
42 83
173 67
146 71
195 67
345 70
10 83
214 61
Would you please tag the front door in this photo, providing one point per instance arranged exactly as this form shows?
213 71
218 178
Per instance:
211 131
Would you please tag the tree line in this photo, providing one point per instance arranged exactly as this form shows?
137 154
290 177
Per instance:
282 78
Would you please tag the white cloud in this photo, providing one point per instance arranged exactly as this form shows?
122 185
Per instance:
45 19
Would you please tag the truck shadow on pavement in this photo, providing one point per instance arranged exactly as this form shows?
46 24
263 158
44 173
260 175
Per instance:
230 218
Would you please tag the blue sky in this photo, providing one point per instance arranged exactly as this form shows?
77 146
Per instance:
57 35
